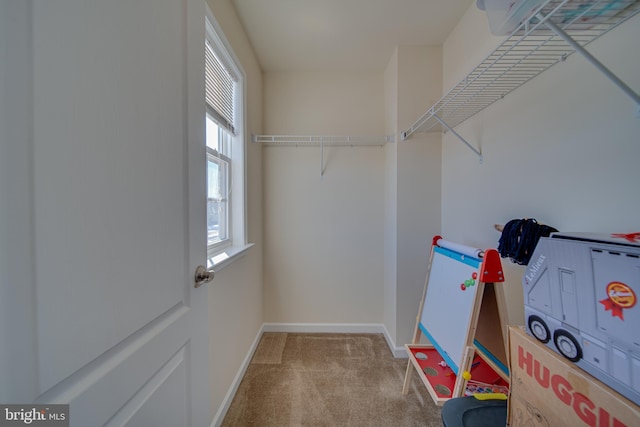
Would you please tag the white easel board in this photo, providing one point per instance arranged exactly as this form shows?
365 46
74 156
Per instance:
447 309
462 314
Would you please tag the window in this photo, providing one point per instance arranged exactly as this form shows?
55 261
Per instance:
224 99
218 181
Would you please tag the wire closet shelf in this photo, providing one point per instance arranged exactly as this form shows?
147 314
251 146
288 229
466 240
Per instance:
323 140
553 31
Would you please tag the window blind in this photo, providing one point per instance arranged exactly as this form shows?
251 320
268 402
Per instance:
219 90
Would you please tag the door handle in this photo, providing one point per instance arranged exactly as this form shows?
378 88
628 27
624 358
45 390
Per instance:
203 276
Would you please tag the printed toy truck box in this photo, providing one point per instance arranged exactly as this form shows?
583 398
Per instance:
580 298
547 390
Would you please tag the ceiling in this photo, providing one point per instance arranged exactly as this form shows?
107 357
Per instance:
314 35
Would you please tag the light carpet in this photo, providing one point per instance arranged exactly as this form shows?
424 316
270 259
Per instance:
328 380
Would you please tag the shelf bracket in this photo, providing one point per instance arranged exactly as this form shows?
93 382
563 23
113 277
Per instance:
322 141
589 57
450 129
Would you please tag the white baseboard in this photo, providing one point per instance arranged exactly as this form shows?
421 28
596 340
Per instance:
342 328
398 352
337 328
226 402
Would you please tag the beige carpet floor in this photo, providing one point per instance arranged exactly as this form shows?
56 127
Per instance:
328 380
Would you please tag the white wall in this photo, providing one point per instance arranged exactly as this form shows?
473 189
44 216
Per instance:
391 197
235 296
351 246
413 78
563 148
323 256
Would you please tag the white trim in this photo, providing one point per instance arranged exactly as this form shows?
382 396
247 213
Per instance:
226 256
238 222
226 402
338 328
398 352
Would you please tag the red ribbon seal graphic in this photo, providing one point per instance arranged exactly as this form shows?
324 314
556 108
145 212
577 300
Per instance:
621 296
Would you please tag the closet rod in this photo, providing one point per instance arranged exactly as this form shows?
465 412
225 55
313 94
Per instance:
325 140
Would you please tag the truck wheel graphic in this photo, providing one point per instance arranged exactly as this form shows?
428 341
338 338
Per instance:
567 345
539 329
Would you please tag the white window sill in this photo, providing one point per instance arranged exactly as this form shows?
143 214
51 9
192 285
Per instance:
227 256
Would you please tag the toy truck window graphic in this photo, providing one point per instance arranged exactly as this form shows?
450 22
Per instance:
580 295
568 294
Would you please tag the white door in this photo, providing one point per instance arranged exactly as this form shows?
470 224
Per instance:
105 124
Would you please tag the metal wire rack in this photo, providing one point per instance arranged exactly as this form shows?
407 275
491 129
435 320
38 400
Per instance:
323 140
554 30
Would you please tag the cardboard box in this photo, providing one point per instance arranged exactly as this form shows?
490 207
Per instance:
549 391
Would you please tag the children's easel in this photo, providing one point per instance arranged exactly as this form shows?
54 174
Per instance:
463 315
